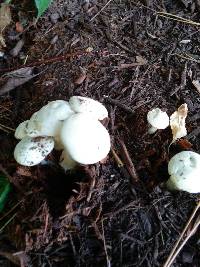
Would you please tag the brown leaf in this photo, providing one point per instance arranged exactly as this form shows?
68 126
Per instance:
5 19
177 122
17 78
184 143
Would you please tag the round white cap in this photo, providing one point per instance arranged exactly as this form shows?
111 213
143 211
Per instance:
158 118
82 104
31 151
184 171
85 139
48 120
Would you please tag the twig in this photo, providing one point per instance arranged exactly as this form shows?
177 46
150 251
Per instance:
2 228
48 61
117 158
129 164
171 257
191 233
177 18
187 57
14 207
101 10
6 128
105 247
92 185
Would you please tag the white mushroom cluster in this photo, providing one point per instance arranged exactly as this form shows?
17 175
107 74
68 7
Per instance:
73 127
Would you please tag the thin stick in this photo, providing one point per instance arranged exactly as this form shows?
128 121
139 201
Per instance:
7 213
129 164
177 18
192 232
101 10
105 247
181 236
2 228
48 60
117 158
187 57
7 128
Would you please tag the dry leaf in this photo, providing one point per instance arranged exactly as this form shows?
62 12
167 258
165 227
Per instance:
17 78
5 20
184 144
177 122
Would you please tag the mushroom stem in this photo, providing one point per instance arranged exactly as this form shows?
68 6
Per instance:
66 162
170 185
152 129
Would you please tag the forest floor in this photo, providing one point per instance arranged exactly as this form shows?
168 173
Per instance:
132 57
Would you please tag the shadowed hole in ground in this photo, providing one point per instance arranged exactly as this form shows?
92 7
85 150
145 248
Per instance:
60 186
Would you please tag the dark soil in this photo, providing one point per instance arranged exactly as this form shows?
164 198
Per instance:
98 215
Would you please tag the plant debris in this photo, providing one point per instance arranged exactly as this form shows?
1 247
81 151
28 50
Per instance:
177 122
5 20
94 215
17 78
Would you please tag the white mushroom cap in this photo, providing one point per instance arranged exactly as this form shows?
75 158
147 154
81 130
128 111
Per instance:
66 162
31 151
48 120
20 131
184 171
82 104
158 119
85 139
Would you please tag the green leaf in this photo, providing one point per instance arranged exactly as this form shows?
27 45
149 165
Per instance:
4 190
42 6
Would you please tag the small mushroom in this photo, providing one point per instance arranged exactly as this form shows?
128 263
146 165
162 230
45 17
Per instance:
157 119
85 139
31 151
80 104
184 171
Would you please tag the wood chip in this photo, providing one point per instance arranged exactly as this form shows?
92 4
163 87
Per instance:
196 84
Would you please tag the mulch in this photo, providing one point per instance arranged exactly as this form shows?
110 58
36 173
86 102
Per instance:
132 59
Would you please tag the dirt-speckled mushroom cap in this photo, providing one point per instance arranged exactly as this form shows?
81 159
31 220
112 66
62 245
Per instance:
31 151
85 139
88 105
184 171
158 118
